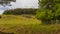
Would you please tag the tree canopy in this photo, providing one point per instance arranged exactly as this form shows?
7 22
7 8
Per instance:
48 10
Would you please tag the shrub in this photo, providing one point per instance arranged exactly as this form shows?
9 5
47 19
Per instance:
45 15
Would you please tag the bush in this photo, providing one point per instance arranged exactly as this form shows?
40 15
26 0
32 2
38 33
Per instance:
21 11
45 15
49 16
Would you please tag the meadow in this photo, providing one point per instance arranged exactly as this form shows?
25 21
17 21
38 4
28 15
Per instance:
12 21
20 24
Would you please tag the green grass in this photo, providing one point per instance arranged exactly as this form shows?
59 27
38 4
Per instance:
18 24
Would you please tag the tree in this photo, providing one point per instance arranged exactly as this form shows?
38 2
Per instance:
6 2
49 11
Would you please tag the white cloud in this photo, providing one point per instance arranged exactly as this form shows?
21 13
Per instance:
25 4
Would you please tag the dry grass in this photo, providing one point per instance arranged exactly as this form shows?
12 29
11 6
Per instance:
13 23
22 25
18 19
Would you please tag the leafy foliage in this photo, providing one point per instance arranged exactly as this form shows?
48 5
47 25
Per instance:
49 10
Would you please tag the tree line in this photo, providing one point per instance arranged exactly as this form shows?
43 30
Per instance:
20 11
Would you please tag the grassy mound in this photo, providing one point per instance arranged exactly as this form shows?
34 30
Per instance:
18 19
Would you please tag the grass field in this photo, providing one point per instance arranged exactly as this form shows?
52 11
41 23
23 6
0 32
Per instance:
10 23
20 24
18 19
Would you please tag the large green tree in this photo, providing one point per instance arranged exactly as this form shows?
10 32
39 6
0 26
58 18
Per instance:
49 11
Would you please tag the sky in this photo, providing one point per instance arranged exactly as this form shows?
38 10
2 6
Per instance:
20 4
25 4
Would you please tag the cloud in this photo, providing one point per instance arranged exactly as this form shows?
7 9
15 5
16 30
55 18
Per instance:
25 4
